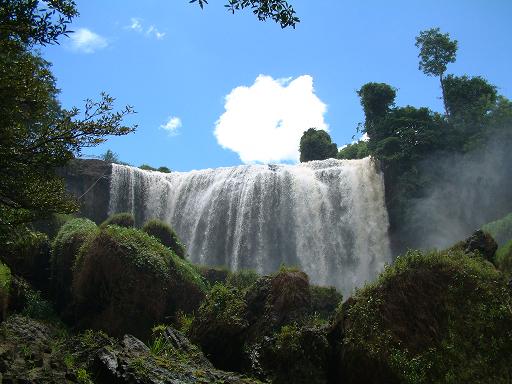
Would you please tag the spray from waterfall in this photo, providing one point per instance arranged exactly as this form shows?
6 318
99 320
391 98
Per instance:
326 217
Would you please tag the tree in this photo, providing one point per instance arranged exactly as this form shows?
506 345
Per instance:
110 157
316 145
376 100
36 134
357 150
277 10
436 52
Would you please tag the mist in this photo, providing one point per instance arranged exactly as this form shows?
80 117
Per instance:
467 191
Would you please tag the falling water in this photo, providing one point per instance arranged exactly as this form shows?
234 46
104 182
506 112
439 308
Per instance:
327 217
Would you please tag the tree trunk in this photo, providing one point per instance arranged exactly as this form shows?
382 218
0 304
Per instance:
444 96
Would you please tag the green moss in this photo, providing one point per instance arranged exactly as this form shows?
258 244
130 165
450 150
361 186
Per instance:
65 250
324 301
242 279
27 254
126 280
504 259
166 235
501 229
5 284
123 219
440 317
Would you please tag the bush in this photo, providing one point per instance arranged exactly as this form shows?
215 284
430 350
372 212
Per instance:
501 229
51 225
219 325
125 279
324 301
242 279
123 219
5 284
166 235
296 355
504 259
440 317
65 249
27 253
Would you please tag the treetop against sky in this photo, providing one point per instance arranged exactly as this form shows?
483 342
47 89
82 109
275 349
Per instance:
214 89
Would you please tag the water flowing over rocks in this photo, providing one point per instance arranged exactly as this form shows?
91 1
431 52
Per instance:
326 217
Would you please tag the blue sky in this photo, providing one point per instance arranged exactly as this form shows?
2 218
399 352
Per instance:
177 64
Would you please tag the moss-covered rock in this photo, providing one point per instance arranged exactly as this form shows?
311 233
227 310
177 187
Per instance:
5 285
295 355
65 248
440 317
125 281
503 259
219 327
500 230
38 352
122 219
324 301
213 275
166 235
261 326
242 279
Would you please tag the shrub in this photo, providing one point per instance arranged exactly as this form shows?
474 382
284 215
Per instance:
504 259
501 229
219 325
324 301
439 317
27 253
123 219
242 279
52 224
65 249
295 355
125 279
166 235
5 284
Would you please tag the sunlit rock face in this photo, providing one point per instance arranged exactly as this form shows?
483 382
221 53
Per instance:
326 217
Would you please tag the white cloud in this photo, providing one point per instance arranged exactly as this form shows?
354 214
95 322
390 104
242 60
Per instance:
136 24
151 31
172 125
264 122
86 41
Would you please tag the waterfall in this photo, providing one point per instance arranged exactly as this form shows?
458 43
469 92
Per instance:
326 217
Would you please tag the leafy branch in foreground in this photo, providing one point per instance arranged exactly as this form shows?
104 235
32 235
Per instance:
277 10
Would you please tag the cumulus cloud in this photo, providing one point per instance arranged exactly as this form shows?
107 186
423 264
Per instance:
151 31
172 125
86 41
265 121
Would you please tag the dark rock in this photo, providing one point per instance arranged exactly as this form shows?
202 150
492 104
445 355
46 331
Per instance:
89 182
214 275
482 243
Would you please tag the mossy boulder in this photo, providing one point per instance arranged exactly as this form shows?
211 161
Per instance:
500 230
219 327
213 275
483 243
259 326
125 281
166 235
5 285
65 248
295 354
503 259
439 317
122 219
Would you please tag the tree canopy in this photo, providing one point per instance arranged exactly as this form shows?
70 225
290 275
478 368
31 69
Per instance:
316 144
277 10
37 135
